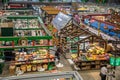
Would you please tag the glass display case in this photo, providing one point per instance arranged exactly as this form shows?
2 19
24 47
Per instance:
70 75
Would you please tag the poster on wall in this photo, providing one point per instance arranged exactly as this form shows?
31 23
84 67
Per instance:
61 20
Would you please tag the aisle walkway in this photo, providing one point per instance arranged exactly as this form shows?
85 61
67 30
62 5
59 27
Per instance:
5 69
66 67
87 75
90 74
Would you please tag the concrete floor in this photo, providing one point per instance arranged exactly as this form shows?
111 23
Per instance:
86 74
90 74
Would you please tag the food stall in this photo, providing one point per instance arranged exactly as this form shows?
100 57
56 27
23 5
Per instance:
29 41
87 49
50 12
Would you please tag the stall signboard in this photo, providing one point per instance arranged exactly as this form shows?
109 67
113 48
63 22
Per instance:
61 20
115 61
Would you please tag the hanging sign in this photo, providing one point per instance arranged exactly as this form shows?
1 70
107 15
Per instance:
61 20
104 36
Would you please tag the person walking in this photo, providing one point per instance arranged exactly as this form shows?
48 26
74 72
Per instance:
57 54
103 73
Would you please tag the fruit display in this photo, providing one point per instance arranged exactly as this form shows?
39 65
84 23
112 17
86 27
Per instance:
29 67
23 68
38 56
40 67
38 60
94 53
12 69
98 57
73 56
96 50
97 53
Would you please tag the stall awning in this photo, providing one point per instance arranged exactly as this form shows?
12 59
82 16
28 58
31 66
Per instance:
54 12
61 20
48 8
83 9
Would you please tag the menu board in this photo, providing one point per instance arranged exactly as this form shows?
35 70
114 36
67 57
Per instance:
61 20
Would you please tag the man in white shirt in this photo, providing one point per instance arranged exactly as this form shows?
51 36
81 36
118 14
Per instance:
103 73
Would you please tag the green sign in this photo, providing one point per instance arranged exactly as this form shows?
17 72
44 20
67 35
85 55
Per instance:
115 61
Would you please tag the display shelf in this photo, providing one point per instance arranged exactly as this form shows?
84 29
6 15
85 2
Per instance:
22 43
28 37
32 63
35 61
17 13
19 9
83 65
43 34
33 67
22 17
28 29
16 47
37 3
